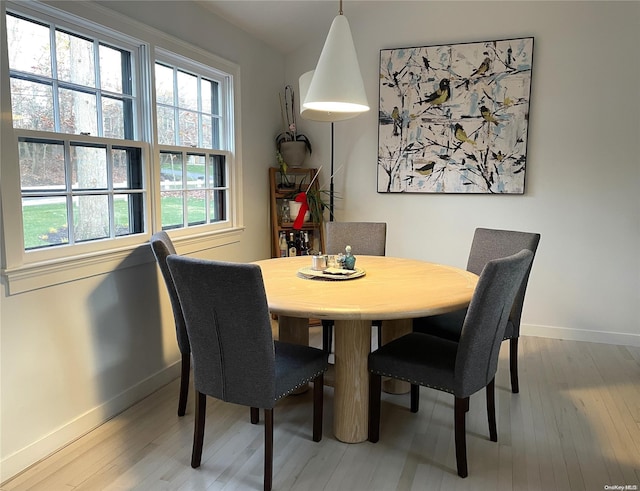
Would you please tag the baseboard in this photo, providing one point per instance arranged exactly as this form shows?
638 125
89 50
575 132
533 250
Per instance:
570 334
19 461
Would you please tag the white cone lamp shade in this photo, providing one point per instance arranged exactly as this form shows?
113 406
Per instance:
336 85
313 115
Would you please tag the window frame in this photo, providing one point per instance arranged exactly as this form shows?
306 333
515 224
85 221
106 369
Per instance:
163 56
25 270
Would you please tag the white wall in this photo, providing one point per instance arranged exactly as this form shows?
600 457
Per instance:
75 354
583 169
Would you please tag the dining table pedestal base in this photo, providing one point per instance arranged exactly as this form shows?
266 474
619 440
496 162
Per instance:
351 371
351 391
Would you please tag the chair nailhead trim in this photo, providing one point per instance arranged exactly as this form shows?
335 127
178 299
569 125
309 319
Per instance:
305 381
415 382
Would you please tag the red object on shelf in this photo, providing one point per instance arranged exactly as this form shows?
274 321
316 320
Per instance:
301 198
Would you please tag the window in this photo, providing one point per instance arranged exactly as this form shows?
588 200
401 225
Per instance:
97 188
188 108
117 135
64 85
190 125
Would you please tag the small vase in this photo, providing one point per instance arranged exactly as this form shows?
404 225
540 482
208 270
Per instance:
294 209
349 259
293 152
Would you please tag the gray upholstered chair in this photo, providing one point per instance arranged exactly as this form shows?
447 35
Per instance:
235 358
488 244
162 247
365 238
460 368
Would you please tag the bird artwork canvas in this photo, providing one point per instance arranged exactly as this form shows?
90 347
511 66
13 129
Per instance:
454 118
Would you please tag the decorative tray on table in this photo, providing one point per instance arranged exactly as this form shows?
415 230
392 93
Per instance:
331 273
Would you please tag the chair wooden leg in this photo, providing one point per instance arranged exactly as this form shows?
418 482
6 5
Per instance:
327 338
513 364
268 449
318 397
255 415
461 407
375 392
491 410
198 429
415 398
184 383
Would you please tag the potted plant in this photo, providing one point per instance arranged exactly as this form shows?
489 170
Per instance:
314 199
317 204
291 145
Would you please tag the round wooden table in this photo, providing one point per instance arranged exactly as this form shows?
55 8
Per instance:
394 290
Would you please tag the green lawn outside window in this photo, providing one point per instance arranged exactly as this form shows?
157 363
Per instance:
43 221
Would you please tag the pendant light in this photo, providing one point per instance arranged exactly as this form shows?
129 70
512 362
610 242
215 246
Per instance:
336 85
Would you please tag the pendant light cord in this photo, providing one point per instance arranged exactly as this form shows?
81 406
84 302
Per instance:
340 12
331 189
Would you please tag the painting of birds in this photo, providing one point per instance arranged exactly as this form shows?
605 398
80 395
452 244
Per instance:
441 95
461 135
488 117
453 118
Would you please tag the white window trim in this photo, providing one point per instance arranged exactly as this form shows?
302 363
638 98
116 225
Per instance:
23 270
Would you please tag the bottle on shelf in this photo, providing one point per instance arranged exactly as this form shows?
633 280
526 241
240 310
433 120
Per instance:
286 212
282 244
292 245
304 244
298 239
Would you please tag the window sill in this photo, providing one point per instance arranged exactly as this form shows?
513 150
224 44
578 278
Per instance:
55 272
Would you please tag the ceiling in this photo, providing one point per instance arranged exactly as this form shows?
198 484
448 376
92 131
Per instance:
284 24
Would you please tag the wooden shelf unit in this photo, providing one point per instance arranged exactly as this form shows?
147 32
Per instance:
278 196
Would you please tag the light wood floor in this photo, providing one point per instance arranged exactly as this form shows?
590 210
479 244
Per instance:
574 426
